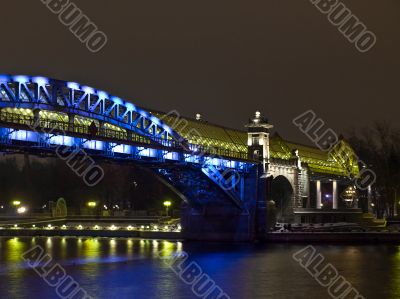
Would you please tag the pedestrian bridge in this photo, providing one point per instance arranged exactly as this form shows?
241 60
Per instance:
213 168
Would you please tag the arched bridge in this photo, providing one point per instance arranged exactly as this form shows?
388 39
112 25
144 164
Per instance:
218 172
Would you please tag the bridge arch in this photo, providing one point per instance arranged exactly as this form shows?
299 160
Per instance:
71 99
282 193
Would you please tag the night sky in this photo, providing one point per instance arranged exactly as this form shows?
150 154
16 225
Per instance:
223 59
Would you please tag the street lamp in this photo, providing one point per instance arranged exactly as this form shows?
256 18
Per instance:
21 210
91 204
167 204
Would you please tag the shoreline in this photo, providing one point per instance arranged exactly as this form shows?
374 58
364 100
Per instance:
21 232
285 237
333 237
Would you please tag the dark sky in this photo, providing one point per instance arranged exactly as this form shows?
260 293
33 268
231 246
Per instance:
222 58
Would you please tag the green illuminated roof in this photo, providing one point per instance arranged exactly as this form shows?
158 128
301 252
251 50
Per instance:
227 142
206 134
340 161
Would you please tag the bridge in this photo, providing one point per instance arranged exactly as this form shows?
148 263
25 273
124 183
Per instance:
225 177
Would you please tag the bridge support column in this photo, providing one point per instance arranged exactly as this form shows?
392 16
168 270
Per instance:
261 207
71 122
129 135
220 219
101 127
319 195
36 117
241 187
334 195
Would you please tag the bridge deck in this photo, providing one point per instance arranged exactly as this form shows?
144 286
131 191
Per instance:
211 135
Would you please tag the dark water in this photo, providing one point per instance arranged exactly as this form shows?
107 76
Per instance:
129 268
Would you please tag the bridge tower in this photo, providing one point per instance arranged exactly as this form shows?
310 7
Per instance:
258 149
258 141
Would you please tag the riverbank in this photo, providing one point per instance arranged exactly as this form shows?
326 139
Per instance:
334 237
287 237
22 232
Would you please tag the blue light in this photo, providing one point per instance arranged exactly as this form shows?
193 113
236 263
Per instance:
4 78
88 89
143 113
117 100
21 79
130 106
40 80
57 139
102 95
155 120
73 85
168 129
216 162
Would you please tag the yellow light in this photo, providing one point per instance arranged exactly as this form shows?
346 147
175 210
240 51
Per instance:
80 226
167 203
130 227
16 203
92 204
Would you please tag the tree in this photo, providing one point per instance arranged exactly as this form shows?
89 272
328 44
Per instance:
378 148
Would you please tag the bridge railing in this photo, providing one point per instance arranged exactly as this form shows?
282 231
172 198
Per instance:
28 122
218 151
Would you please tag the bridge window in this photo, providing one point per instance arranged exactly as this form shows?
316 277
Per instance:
18 111
256 154
112 127
57 116
79 120
255 140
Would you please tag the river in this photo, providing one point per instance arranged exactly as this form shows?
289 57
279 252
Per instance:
130 268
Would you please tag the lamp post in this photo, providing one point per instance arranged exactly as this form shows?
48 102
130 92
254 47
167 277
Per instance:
92 205
16 203
167 204
21 210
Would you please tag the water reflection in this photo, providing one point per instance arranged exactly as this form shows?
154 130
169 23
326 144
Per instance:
125 268
12 250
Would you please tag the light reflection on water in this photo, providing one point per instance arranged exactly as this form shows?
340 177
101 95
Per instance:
131 268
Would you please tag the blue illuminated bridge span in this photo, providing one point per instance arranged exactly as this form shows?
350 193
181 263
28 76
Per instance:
218 172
